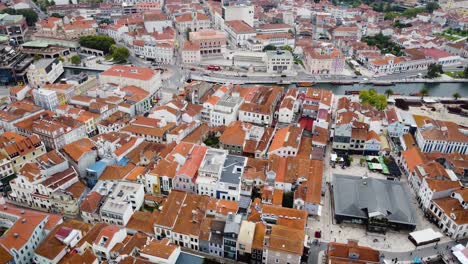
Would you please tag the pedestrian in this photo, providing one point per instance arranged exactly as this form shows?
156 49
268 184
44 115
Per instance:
411 253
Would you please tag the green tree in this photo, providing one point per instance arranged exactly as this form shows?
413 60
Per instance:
431 6
391 15
75 59
269 47
29 14
98 42
424 92
119 54
56 15
388 92
374 99
288 48
362 161
52 3
456 96
434 70
37 57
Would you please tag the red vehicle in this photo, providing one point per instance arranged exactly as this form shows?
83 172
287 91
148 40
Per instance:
213 68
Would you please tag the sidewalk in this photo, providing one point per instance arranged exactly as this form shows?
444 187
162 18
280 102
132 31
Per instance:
425 252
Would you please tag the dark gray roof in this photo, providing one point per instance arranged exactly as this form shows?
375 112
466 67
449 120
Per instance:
358 197
244 202
186 257
216 239
231 167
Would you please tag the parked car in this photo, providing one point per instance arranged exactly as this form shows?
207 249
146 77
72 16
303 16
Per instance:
213 68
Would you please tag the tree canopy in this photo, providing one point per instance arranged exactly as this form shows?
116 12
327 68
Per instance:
384 44
371 97
29 14
119 54
434 70
75 59
269 47
102 43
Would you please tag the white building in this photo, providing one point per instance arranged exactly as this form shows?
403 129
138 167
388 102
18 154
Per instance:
225 111
238 11
158 52
34 190
450 213
106 240
239 32
443 136
45 98
26 230
279 61
44 71
145 78
397 125
125 198
210 171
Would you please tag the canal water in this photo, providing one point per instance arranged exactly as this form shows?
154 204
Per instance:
435 89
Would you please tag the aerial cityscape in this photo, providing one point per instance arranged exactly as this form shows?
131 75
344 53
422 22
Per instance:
234 131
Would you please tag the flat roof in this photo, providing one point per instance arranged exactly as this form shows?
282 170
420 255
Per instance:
231 166
44 43
425 235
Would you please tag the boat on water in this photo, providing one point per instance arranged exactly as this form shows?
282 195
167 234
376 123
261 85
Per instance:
382 83
352 92
305 84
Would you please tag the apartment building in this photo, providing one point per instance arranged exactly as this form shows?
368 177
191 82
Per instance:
450 213
122 201
81 154
22 150
108 237
158 52
37 181
260 104
289 107
190 22
325 59
286 142
443 136
56 132
186 176
44 71
145 78
45 98
14 26
26 230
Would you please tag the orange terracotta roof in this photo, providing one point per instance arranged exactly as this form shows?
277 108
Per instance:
131 72
413 157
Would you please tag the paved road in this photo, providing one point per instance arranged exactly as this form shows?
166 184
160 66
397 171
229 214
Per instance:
424 251
314 252
428 251
34 7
